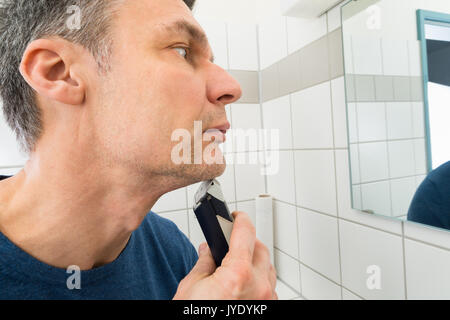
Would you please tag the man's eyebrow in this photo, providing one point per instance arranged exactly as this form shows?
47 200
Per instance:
196 34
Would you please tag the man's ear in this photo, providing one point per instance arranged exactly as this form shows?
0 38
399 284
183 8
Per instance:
47 66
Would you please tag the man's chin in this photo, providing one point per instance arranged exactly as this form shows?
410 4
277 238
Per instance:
212 171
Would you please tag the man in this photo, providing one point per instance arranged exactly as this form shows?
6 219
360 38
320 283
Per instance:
95 106
431 202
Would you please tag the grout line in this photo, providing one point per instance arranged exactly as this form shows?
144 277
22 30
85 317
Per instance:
260 94
334 155
357 134
297 218
388 140
391 213
319 273
427 243
404 261
352 292
291 288
389 179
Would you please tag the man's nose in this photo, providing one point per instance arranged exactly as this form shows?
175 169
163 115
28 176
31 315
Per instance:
222 87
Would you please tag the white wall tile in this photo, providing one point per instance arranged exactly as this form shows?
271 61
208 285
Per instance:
249 181
376 197
402 192
272 41
285 228
339 113
399 120
334 18
311 117
192 189
180 218
246 120
401 158
315 180
352 123
282 185
316 287
344 200
418 119
395 57
348 54
287 269
284 292
357 197
373 159
415 62
243 49
347 295
301 32
367 55
420 156
217 36
371 121
277 116
249 208
355 164
227 183
431 235
427 271
173 200
319 243
362 247
10 153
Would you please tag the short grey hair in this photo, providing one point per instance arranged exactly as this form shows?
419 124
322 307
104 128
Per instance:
23 21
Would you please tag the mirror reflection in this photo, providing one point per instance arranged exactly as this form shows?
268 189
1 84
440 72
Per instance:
397 70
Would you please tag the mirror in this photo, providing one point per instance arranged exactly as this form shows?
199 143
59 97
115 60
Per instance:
397 74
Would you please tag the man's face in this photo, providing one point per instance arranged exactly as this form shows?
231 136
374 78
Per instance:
153 89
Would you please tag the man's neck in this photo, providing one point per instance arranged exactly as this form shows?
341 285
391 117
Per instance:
64 217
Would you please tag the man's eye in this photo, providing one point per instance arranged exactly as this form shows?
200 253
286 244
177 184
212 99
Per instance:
182 51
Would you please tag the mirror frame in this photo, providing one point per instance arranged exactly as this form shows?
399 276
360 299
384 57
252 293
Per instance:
424 16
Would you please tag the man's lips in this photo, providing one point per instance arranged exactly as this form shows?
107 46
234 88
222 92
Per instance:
219 132
219 136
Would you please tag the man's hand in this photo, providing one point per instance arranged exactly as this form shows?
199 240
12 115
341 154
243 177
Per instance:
246 272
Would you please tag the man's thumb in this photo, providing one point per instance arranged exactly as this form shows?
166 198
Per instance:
205 265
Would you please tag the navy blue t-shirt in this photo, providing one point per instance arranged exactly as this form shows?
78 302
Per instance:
157 257
431 203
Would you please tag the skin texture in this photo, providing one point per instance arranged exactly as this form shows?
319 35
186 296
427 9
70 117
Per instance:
105 156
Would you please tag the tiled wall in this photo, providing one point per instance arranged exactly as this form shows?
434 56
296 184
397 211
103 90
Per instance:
11 158
323 247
